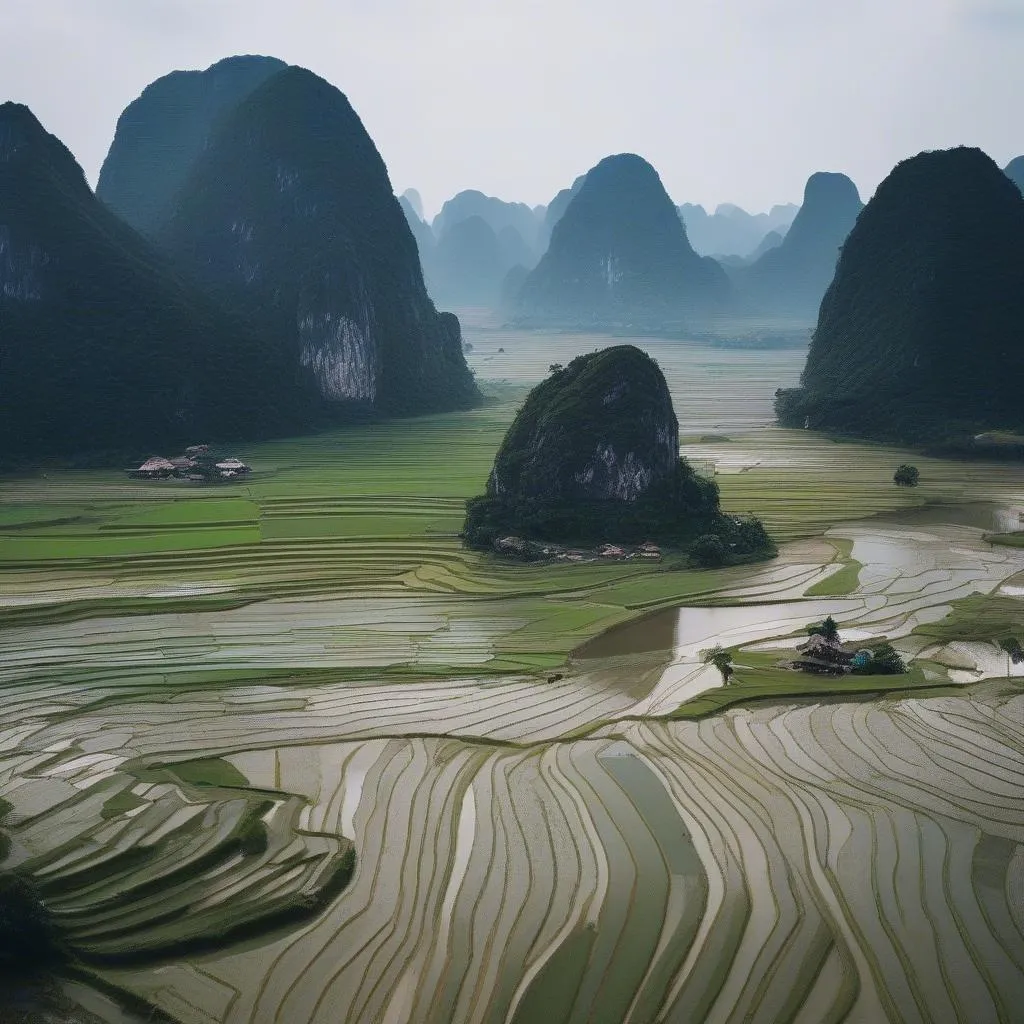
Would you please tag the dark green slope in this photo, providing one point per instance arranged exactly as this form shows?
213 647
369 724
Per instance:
101 344
162 133
289 215
619 255
921 333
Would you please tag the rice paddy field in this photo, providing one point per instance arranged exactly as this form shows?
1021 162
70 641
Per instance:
282 750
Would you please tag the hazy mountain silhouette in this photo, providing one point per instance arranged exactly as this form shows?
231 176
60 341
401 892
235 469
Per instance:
469 264
420 229
620 255
102 345
770 241
1014 170
415 200
919 335
161 134
290 215
555 211
792 277
496 212
730 230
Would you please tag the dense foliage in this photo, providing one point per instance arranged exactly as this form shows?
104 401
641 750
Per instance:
884 661
290 216
906 476
102 344
619 254
161 134
920 335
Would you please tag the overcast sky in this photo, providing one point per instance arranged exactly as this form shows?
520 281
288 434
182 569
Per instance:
731 100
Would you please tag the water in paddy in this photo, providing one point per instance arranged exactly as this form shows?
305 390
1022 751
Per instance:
980 515
679 630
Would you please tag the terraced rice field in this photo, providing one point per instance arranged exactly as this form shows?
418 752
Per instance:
212 696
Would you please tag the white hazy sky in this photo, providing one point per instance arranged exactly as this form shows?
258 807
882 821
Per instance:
731 100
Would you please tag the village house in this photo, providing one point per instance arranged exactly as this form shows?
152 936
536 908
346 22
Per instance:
823 656
196 465
154 468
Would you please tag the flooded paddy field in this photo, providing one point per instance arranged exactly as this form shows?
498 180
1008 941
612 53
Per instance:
214 698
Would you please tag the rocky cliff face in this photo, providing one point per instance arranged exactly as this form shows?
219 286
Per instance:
919 335
101 344
619 255
289 215
793 276
602 429
161 134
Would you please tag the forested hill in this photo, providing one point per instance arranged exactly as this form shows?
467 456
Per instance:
102 344
921 334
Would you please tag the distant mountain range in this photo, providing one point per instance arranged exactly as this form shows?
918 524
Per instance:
919 335
730 230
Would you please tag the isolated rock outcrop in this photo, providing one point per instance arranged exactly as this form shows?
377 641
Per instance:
921 334
593 455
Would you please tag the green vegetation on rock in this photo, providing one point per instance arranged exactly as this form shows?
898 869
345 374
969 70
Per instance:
593 456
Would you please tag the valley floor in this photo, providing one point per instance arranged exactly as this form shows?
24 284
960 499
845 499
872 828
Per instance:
311 654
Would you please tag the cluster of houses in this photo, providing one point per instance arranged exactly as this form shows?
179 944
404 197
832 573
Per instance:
518 547
198 464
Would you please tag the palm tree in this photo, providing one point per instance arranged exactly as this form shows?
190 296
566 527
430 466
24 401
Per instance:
721 659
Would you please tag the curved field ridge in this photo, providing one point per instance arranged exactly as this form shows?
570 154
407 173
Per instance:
844 862
136 865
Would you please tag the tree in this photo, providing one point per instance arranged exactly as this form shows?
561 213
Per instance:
906 476
708 551
721 659
829 629
1014 652
885 661
555 368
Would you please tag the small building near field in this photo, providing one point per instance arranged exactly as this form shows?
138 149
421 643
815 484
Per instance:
154 468
823 656
231 467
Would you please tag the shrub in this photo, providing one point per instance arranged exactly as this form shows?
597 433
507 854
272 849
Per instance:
708 551
906 476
